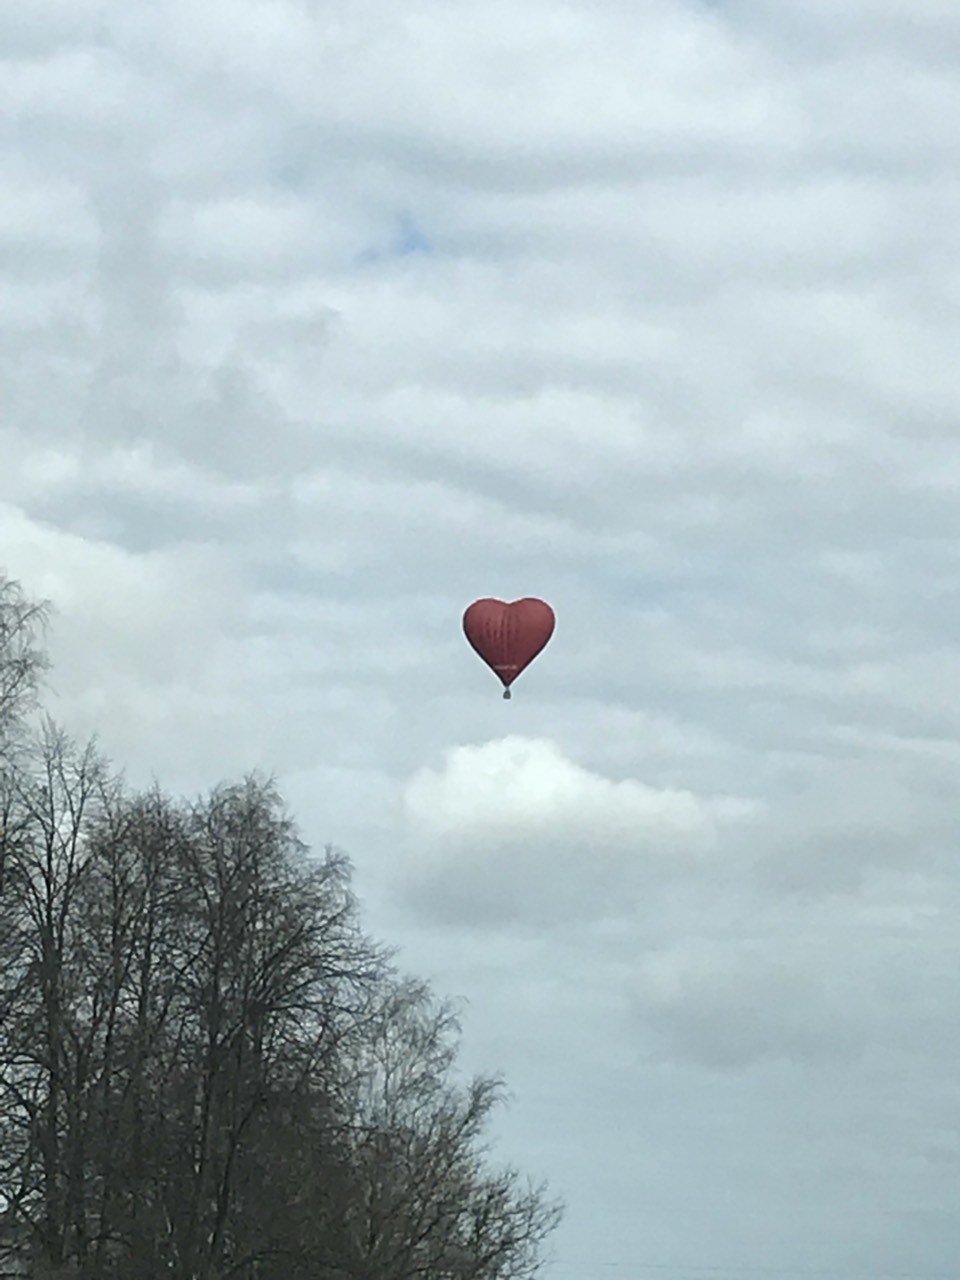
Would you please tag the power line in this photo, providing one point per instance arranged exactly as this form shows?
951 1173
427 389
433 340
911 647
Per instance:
682 1270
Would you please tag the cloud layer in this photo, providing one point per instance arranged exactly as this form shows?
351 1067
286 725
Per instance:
320 321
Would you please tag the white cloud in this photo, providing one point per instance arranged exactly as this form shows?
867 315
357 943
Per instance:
158 615
513 831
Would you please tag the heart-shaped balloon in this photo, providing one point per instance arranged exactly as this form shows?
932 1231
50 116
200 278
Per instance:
508 636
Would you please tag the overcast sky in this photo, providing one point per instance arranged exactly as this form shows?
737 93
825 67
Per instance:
321 318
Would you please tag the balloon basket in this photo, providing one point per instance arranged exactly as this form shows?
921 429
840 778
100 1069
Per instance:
507 694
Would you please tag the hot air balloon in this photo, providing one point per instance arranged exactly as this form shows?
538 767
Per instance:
508 636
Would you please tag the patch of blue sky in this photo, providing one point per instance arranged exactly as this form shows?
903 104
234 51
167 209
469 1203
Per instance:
406 239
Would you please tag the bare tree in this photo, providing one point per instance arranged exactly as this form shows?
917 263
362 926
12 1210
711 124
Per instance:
422 1202
270 945
22 661
238 962
47 803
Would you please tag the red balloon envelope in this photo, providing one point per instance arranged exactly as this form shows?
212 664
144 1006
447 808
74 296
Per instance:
508 636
